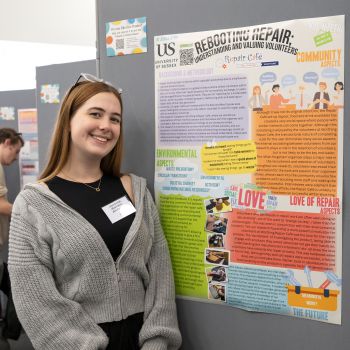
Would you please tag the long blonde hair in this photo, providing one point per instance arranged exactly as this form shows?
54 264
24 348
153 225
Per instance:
60 141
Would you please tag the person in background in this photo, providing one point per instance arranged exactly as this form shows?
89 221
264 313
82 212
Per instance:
89 264
11 143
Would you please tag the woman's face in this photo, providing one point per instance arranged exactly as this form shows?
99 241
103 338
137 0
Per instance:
95 127
338 87
256 90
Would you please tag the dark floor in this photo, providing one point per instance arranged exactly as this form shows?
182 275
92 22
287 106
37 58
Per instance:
22 343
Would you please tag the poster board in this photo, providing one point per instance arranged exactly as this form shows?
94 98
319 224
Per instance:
234 328
17 99
59 77
248 173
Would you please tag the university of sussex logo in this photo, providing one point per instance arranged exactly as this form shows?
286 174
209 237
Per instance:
167 49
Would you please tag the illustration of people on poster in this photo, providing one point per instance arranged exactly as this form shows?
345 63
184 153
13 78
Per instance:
248 177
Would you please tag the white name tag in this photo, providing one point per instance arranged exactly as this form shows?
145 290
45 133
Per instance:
119 209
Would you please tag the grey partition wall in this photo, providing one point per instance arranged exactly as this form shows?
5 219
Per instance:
207 326
65 75
19 99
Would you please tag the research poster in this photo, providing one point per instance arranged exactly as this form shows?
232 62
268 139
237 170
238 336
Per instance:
50 93
7 113
29 155
249 170
126 37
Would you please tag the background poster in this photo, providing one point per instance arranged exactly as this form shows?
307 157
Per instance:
29 155
248 175
50 93
7 113
125 37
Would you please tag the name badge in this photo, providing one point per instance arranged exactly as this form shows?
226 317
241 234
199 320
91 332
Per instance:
119 209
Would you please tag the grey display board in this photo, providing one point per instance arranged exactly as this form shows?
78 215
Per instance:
65 75
19 99
207 326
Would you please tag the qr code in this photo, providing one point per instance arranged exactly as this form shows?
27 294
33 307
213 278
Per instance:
119 44
186 57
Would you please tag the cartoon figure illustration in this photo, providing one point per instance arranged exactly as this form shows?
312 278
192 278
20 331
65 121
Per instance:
257 100
321 98
338 97
277 99
302 99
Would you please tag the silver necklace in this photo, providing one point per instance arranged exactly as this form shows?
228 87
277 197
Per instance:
97 189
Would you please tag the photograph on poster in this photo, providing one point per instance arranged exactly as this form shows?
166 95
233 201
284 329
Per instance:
218 257
216 274
217 292
216 240
216 223
218 205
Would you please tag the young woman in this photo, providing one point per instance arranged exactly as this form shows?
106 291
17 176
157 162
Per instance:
89 264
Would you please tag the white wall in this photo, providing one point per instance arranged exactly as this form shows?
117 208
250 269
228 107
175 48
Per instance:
67 22
19 59
43 32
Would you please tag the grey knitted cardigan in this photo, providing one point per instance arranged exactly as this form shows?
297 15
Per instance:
64 280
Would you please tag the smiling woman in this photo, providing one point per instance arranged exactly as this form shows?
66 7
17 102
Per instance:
95 129
90 116
87 252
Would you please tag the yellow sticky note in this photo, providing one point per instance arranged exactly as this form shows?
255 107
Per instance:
229 157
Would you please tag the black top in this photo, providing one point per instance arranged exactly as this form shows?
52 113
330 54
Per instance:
88 203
